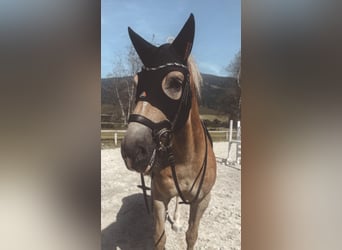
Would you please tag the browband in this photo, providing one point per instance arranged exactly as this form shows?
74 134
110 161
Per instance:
164 66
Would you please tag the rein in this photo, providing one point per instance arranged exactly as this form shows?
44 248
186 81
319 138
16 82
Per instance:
171 160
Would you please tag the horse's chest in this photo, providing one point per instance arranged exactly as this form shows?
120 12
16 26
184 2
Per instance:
165 183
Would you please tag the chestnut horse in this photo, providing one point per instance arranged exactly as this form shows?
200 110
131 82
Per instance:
166 137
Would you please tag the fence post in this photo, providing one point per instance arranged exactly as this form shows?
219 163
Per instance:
115 138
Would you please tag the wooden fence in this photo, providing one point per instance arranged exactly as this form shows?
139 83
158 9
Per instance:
232 136
116 136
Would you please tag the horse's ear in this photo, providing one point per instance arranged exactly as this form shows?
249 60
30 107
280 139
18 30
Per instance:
184 40
143 48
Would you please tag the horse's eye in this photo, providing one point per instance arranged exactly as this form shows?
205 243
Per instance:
172 87
174 84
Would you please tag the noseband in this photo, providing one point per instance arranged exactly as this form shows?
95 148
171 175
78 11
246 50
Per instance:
161 131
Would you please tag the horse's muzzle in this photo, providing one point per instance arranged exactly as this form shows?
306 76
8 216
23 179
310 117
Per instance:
137 147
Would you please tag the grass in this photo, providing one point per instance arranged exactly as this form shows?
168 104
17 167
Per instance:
205 114
212 114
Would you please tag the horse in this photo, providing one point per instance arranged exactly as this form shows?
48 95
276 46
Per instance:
166 138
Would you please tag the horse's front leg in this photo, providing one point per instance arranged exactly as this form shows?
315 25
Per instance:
196 211
159 215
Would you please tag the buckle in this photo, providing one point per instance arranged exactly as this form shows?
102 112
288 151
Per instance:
164 139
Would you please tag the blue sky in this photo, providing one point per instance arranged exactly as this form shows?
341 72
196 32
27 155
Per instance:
217 32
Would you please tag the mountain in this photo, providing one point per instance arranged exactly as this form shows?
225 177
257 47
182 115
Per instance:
219 96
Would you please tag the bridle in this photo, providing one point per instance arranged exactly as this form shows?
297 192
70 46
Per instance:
162 133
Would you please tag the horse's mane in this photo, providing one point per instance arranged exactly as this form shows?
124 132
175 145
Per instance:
195 75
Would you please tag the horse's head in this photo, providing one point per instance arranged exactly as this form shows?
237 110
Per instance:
163 97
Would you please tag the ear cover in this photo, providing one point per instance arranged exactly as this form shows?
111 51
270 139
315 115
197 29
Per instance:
143 48
184 40
178 51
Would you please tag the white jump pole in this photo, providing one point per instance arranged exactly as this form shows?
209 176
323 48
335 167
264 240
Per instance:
230 137
238 135
230 130
116 138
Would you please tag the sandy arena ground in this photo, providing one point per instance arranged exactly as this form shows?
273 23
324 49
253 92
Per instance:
126 225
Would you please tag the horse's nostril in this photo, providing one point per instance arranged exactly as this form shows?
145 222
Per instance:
136 147
142 150
140 153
